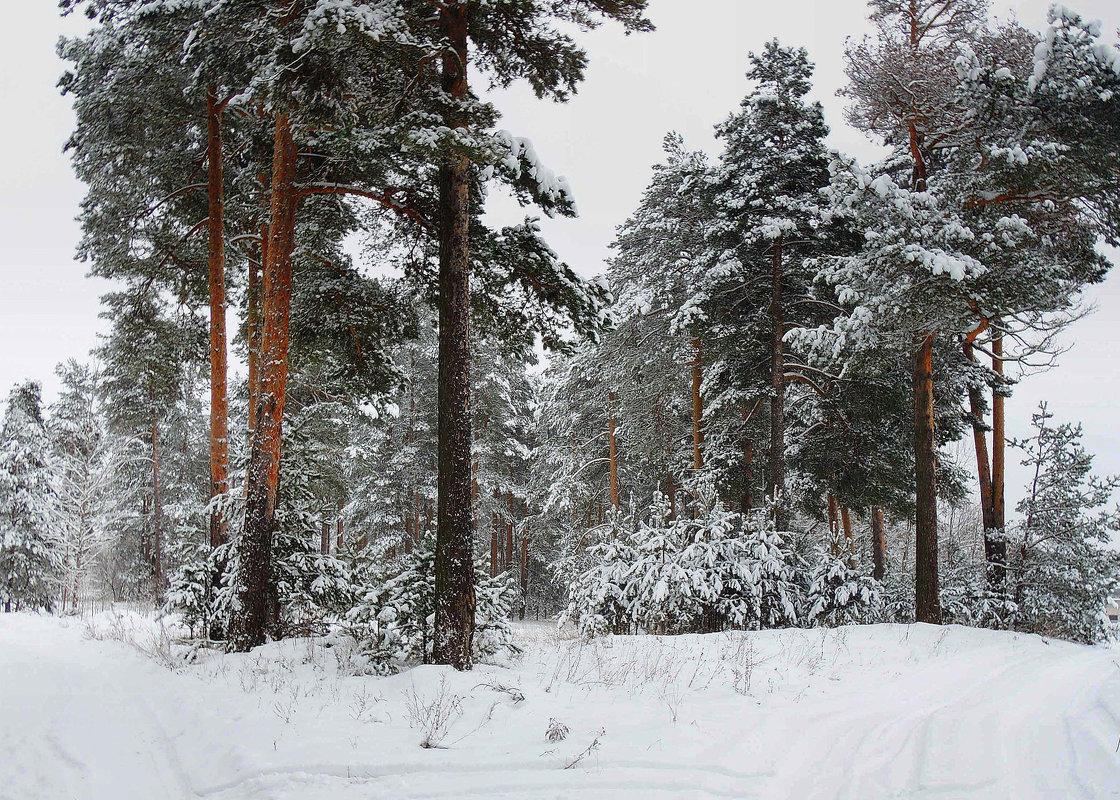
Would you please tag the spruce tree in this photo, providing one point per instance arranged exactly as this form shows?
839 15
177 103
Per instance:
29 555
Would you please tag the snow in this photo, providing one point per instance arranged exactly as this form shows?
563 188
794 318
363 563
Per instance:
885 711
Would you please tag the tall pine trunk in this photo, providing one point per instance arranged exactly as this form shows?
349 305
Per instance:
219 409
927 602
157 514
777 484
253 329
454 578
878 544
249 628
998 559
989 472
697 405
833 525
612 452
849 537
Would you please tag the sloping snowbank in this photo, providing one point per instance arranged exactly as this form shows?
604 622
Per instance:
882 711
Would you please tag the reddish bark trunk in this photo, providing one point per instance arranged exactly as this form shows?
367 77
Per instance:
927 602
999 444
253 330
833 525
219 409
249 628
878 544
846 521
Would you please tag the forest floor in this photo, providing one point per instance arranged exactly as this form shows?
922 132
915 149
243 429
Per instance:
108 709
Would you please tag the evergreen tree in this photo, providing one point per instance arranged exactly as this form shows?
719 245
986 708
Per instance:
1065 569
89 466
29 557
769 221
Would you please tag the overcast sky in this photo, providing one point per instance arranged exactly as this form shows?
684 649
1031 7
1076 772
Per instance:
686 77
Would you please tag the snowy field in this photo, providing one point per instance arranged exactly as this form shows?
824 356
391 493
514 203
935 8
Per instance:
107 709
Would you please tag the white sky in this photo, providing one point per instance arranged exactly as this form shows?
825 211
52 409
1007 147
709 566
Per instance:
686 77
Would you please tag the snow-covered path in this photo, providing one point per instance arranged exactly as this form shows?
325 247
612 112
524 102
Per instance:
862 713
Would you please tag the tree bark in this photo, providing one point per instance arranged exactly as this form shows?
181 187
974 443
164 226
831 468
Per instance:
833 525
253 330
325 538
777 485
454 579
878 544
250 626
998 559
612 445
524 574
157 514
989 472
509 533
219 408
697 405
927 602
846 521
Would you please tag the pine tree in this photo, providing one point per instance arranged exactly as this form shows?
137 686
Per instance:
769 221
509 43
29 556
1065 569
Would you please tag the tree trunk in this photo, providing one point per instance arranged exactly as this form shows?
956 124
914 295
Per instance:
338 540
697 405
509 533
325 538
878 544
776 488
612 444
249 628
157 514
454 579
833 525
524 574
995 549
219 409
747 500
253 330
927 603
846 521
998 558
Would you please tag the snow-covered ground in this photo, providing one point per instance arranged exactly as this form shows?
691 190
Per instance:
883 711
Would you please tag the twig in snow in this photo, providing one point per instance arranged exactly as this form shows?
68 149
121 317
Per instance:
591 748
